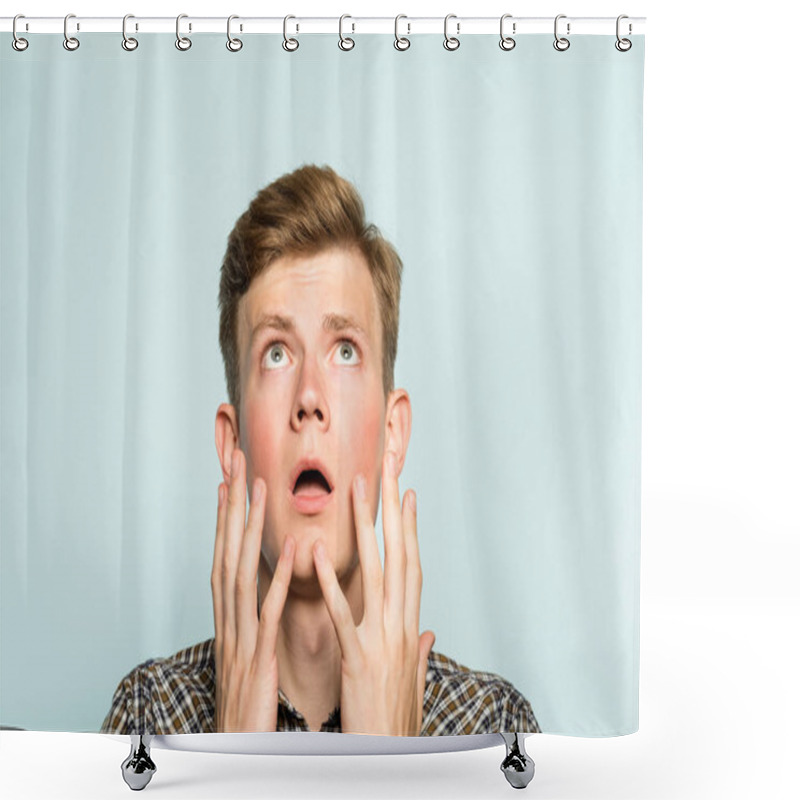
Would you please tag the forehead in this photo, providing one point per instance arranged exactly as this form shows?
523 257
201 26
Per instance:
310 288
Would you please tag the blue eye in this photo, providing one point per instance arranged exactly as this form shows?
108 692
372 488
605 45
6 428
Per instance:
273 355
348 351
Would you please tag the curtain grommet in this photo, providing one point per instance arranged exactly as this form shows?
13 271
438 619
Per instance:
183 43
70 42
451 42
623 45
18 43
289 45
400 42
507 42
233 45
128 42
561 43
345 42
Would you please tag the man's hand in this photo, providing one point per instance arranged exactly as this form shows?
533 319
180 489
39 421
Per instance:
244 645
384 659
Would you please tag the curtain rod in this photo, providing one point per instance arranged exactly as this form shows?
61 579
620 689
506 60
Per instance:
513 26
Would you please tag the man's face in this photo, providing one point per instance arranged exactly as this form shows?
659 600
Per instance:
312 387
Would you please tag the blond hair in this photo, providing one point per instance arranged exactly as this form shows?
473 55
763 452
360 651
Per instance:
303 213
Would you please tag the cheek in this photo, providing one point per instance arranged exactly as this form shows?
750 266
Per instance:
259 438
366 440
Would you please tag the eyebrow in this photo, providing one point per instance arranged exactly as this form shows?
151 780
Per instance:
330 322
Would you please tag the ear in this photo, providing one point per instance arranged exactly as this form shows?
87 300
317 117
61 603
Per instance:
226 436
398 425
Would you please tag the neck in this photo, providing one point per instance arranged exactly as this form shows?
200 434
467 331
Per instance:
307 648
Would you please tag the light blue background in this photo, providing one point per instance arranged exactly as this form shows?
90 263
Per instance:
510 183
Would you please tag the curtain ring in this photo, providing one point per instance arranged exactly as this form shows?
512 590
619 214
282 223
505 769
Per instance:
70 42
450 42
623 45
128 42
401 43
181 42
561 43
18 43
506 42
234 45
290 45
345 43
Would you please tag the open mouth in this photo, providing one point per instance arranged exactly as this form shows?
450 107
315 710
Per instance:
311 483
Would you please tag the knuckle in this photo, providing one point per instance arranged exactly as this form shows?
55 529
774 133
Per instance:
228 568
376 581
241 584
281 579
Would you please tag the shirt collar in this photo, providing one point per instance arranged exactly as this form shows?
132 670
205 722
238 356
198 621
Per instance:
333 720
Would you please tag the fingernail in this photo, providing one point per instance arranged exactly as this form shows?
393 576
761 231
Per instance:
361 487
319 549
412 500
258 492
234 465
287 545
220 492
393 464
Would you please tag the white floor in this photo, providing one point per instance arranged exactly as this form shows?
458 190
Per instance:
719 703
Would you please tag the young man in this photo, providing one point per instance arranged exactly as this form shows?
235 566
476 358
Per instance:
311 633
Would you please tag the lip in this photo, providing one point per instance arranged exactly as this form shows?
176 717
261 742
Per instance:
310 505
310 463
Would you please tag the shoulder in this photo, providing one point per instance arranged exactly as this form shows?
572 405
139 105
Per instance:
460 700
175 694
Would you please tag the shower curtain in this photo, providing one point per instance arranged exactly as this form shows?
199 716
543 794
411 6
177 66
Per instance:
509 184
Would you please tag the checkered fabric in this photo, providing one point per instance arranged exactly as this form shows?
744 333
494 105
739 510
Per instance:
177 695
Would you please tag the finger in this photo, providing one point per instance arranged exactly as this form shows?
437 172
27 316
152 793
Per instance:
246 593
216 569
413 565
394 546
234 530
337 604
368 555
426 642
272 607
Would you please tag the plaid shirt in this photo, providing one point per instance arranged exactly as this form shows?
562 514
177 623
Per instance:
178 695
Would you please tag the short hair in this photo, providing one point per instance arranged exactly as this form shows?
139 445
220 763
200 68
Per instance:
303 213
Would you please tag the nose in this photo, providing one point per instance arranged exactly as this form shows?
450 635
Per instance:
310 399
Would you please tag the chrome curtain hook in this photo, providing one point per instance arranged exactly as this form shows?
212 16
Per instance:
18 43
623 45
346 43
70 42
561 43
451 42
181 42
290 45
506 42
234 45
401 43
128 42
